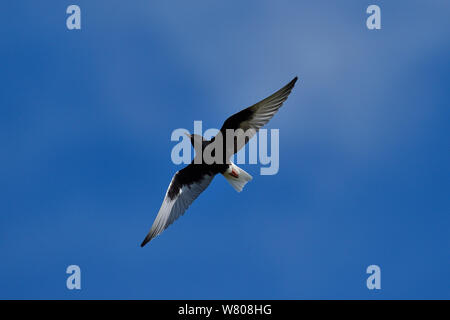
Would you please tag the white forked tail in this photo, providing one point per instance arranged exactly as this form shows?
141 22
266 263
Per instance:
237 177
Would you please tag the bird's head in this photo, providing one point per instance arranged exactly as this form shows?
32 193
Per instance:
195 138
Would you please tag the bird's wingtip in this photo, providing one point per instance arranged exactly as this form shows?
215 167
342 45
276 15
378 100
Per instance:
146 240
291 83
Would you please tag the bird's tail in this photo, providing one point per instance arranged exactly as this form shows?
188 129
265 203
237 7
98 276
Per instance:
237 177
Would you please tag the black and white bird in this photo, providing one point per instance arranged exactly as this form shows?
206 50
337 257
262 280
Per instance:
189 182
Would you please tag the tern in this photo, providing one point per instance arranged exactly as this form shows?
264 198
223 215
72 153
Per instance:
189 182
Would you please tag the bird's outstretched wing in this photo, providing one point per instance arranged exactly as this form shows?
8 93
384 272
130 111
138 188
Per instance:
185 187
251 119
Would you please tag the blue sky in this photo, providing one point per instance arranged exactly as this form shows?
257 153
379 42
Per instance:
85 124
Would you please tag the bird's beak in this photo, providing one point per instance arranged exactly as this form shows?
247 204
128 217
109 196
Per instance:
188 135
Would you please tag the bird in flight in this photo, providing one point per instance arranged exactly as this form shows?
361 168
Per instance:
189 182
